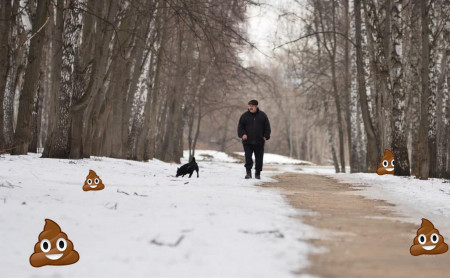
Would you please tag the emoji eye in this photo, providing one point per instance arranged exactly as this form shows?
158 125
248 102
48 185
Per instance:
392 163
96 181
434 238
385 163
46 245
422 239
89 181
61 244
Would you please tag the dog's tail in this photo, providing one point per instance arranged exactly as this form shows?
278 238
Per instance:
193 159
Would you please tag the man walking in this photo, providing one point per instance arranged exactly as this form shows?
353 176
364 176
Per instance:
254 129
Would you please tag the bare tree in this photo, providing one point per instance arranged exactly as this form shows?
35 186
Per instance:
423 151
22 135
399 146
16 72
6 18
372 144
57 135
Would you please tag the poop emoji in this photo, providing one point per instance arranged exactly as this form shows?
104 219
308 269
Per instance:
53 247
386 164
428 241
93 182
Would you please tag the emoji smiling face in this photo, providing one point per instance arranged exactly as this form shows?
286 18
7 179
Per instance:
387 163
93 182
428 241
53 247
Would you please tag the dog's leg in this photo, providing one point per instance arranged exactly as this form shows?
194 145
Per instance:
190 175
197 173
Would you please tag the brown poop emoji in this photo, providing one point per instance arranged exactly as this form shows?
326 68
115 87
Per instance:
387 163
93 182
428 241
53 247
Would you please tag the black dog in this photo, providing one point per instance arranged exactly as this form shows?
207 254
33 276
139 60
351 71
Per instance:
188 168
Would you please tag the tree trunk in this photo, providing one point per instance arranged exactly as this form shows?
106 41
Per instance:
197 132
362 142
399 146
106 137
191 113
447 114
223 139
64 55
36 116
146 140
99 129
15 76
384 44
433 76
139 62
441 101
83 69
161 128
337 103
348 92
55 104
359 157
414 82
22 135
6 18
330 137
372 144
336 93
378 45
121 77
175 124
423 150
83 95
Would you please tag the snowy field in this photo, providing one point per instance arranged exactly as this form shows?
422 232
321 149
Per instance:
146 222
414 199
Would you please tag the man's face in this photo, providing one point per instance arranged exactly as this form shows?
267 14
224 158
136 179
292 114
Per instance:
252 108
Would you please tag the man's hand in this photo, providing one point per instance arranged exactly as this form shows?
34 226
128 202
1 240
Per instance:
264 139
244 137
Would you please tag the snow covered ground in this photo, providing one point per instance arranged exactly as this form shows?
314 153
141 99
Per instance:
270 158
146 222
414 199
210 155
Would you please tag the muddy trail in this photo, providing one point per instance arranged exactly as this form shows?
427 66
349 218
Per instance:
364 237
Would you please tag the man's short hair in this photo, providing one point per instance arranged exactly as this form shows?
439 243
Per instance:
253 102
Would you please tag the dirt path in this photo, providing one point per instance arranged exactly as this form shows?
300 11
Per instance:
363 237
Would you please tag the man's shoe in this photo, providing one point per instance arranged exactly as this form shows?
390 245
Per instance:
257 176
248 175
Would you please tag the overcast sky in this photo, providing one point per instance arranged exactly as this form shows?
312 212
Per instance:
264 28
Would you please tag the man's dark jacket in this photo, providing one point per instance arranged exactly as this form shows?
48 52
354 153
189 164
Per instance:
255 126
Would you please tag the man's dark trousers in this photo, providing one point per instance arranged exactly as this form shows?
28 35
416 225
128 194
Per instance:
249 149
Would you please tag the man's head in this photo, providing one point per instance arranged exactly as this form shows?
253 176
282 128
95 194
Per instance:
253 106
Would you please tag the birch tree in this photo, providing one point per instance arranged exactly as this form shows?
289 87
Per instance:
6 18
22 135
399 146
